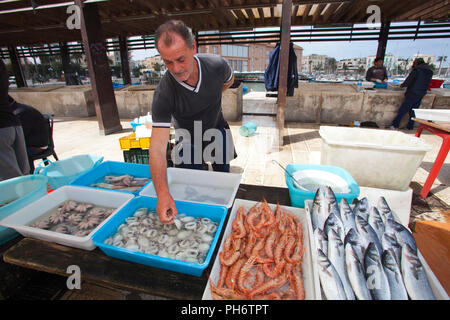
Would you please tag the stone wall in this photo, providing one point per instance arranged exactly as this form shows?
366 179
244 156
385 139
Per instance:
342 103
311 102
132 101
65 101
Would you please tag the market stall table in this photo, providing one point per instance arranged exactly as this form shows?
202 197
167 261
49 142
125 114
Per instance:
442 131
98 268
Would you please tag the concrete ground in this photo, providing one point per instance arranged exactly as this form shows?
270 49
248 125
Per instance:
302 144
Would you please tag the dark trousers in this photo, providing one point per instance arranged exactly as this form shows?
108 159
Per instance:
407 106
220 167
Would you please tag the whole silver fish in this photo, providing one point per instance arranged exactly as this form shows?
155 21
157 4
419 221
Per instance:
321 240
389 242
334 223
403 235
358 245
384 209
329 278
336 254
368 234
355 272
376 222
333 204
347 216
414 277
377 281
362 208
394 276
320 210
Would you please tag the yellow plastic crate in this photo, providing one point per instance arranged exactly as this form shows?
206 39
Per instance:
131 142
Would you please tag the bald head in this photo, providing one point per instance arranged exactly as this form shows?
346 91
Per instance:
165 33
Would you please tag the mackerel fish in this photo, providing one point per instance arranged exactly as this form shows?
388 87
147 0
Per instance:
377 281
329 278
336 254
394 276
356 275
414 277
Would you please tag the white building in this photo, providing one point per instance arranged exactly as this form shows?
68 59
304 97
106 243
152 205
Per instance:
314 62
427 58
352 65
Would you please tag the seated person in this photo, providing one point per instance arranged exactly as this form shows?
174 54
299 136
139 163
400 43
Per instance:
377 73
35 127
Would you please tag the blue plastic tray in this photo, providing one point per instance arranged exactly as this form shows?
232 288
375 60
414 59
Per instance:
64 171
114 168
215 213
25 189
299 196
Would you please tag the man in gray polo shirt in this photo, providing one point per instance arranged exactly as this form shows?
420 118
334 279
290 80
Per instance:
190 93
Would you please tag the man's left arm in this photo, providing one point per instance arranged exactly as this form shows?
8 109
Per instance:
228 76
228 84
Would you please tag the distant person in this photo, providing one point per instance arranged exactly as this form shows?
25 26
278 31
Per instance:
377 73
13 154
35 128
417 85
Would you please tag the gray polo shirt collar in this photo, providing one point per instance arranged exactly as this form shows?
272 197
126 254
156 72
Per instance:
184 84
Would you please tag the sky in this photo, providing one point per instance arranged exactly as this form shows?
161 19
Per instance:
341 50
356 49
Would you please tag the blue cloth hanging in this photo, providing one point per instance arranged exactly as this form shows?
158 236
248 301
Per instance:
272 73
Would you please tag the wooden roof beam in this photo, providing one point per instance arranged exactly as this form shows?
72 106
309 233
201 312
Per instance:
251 16
341 11
417 9
439 6
355 9
331 9
306 12
317 13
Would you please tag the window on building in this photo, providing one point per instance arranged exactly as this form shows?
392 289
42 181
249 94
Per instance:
234 51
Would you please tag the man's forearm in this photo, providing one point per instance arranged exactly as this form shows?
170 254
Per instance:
158 170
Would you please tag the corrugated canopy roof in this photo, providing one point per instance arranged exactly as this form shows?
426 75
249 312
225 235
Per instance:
44 21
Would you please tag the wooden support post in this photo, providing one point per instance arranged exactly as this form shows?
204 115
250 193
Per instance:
65 60
284 63
99 71
17 68
126 76
382 40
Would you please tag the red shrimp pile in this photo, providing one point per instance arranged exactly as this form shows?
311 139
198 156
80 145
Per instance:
262 256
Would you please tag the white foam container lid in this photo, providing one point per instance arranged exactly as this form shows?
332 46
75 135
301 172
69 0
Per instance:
23 217
438 115
310 276
438 291
199 186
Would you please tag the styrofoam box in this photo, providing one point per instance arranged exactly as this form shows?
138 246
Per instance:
438 291
438 115
383 159
104 198
200 186
310 277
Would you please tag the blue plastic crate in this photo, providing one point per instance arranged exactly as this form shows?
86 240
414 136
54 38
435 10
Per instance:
113 168
18 193
215 213
64 171
299 196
